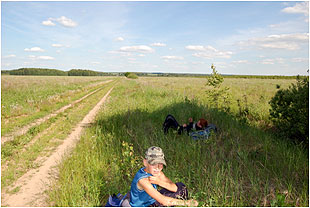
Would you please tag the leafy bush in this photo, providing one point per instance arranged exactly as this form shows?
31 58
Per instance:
131 75
290 110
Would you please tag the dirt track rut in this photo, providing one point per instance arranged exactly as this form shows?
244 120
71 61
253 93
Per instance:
24 130
34 183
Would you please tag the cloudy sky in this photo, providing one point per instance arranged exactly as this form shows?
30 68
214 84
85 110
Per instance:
255 38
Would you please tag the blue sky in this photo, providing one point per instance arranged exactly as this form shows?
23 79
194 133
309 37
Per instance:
254 38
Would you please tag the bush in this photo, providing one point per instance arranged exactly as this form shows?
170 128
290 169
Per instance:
131 75
290 110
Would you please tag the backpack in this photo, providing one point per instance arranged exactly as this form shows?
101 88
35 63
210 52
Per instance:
115 200
203 134
171 122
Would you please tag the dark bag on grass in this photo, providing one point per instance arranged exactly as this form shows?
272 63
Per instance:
171 122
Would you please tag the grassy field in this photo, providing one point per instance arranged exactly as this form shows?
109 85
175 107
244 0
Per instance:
21 154
25 98
241 165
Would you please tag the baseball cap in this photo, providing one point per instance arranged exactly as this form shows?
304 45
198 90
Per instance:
155 155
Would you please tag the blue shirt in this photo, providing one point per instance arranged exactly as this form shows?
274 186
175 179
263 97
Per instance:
139 198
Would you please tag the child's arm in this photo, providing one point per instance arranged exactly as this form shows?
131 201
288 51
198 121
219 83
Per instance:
163 181
164 200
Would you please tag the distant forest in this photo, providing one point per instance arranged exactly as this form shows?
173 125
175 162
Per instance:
53 72
85 72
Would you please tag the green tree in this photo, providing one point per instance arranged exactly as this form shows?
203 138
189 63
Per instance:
218 95
290 110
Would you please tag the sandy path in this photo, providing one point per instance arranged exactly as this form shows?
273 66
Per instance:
35 182
24 129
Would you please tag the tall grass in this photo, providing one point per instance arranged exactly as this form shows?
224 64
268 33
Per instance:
241 165
25 98
21 154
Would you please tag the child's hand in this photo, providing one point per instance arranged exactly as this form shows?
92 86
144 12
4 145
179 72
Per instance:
154 180
192 203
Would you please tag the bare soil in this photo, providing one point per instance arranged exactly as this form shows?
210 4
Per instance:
30 189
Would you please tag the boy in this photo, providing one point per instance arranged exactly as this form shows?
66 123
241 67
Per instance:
143 190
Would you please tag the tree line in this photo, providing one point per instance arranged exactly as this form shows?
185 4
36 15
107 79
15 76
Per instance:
53 72
86 72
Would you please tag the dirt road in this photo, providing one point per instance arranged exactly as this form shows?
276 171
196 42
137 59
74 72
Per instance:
23 130
32 185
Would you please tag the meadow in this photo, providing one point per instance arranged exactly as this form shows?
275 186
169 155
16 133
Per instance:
25 98
48 94
243 164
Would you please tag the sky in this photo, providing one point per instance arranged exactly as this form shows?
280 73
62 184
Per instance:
242 38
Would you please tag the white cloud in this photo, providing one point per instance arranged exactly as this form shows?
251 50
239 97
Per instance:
241 62
119 39
56 45
195 48
45 57
95 62
283 41
273 61
299 8
32 57
208 52
10 56
220 65
64 21
172 57
138 49
34 49
268 61
158 44
48 23
300 59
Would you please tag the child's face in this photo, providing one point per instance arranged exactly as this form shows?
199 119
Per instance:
153 169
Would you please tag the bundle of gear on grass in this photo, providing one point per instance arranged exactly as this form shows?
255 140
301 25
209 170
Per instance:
115 200
198 130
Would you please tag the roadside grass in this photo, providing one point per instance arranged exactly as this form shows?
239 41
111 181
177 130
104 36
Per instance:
241 165
26 98
17 157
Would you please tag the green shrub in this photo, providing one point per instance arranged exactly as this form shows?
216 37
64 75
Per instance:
290 110
131 75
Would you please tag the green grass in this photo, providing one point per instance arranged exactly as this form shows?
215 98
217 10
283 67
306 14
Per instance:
26 98
17 158
242 165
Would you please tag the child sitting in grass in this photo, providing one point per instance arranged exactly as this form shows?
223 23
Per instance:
144 191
